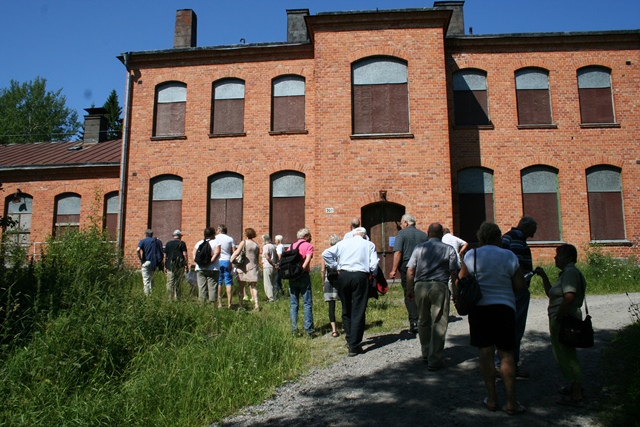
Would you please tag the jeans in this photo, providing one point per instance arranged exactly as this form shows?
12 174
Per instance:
297 287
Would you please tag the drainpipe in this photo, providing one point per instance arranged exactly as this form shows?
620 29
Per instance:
125 154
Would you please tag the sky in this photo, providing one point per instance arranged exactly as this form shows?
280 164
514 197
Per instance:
74 44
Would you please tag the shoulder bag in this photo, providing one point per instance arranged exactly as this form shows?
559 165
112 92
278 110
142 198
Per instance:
575 332
467 291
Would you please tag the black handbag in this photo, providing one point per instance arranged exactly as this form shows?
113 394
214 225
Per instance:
467 291
575 332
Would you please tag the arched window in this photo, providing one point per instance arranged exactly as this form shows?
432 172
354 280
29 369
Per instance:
470 99
110 223
228 107
380 96
166 206
475 200
287 204
540 200
606 214
225 203
18 207
66 213
288 104
596 97
533 96
171 107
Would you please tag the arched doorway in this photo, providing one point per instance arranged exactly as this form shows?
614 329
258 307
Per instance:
382 221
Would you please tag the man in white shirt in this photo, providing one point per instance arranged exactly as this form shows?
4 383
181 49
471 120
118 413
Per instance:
355 259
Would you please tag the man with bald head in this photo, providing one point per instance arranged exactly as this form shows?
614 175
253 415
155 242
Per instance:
431 265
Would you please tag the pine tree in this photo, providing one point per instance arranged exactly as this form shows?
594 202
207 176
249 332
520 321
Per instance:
114 116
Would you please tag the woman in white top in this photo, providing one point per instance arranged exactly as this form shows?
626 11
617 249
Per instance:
492 320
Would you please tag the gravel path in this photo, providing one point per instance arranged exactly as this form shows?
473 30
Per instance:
389 385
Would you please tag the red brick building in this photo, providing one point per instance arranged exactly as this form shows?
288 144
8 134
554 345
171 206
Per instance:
375 114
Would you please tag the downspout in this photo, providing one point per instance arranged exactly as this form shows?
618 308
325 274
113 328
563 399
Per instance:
124 161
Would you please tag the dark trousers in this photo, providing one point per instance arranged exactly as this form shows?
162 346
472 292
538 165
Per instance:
412 307
353 289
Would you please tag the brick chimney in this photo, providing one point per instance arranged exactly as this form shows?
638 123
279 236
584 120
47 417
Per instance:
186 32
95 125
456 25
296 27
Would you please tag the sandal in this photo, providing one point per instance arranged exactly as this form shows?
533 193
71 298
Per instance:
493 408
335 334
569 401
519 410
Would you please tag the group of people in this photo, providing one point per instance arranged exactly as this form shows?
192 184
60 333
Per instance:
430 266
503 268
216 274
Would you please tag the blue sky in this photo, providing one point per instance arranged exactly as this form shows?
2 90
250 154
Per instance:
73 44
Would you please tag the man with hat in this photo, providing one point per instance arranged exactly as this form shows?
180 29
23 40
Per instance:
176 262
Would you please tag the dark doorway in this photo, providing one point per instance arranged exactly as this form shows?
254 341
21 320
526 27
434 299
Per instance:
382 221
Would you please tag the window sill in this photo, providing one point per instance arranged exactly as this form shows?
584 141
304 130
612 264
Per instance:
622 242
546 243
548 126
381 135
599 125
288 132
168 137
480 127
226 135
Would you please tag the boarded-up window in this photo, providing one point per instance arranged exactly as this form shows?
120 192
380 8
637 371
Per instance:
606 215
166 206
19 208
67 214
470 99
532 93
228 107
288 104
287 204
111 215
225 203
596 97
540 201
380 96
171 107
475 201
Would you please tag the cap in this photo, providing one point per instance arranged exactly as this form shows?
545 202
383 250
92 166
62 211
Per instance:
361 230
177 233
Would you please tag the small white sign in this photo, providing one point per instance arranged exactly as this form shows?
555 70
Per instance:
328 210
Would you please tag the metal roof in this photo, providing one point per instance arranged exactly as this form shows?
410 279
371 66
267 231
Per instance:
52 155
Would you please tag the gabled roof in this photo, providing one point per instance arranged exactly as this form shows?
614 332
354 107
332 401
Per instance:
55 155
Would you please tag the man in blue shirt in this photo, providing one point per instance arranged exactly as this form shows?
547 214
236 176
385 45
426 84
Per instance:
151 256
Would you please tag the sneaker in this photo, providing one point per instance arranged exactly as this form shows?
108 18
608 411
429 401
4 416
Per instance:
521 374
413 329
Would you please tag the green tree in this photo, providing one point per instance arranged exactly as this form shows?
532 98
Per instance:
114 116
30 113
